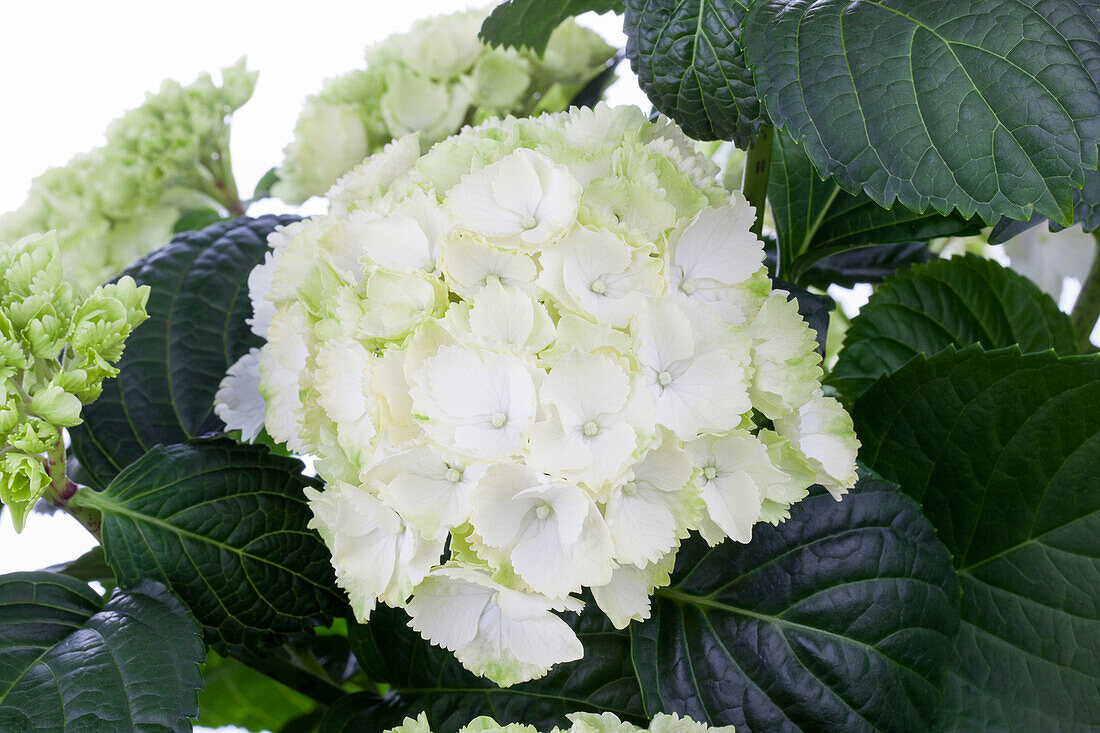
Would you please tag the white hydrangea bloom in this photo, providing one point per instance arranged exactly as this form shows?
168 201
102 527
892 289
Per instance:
626 597
533 361
581 723
552 529
238 402
505 634
822 432
375 553
523 202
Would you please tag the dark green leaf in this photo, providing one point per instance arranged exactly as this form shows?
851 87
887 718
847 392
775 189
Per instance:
69 661
92 565
815 218
592 92
689 63
984 106
224 526
428 678
866 264
840 619
530 23
1003 452
956 302
242 697
1086 212
174 362
196 219
365 712
264 185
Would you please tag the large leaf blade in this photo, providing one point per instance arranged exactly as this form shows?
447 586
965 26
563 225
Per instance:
947 303
69 661
1003 452
688 60
815 218
225 527
841 618
530 23
174 362
987 107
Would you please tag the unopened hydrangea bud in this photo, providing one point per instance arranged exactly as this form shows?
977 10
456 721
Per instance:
56 348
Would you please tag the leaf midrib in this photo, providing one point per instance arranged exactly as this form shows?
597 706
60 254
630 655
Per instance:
108 505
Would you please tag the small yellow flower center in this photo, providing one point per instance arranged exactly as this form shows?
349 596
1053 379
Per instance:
599 287
454 475
529 222
664 379
498 419
492 278
688 286
710 472
591 428
543 511
630 488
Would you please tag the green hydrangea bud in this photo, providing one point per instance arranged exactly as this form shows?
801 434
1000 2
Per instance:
55 405
57 345
23 478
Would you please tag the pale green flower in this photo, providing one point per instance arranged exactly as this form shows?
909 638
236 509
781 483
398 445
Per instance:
431 80
57 345
113 204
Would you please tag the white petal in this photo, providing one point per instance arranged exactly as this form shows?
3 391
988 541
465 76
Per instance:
238 402
626 597
822 431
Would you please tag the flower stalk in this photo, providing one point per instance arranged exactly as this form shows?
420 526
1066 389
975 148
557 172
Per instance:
1086 310
61 491
754 185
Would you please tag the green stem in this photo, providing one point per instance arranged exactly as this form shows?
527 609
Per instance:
758 163
1086 310
61 492
291 675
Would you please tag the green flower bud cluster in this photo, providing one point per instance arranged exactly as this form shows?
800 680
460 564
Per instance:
57 345
432 80
113 204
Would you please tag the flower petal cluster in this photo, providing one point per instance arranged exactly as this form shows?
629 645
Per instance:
531 362
431 80
581 723
57 345
110 205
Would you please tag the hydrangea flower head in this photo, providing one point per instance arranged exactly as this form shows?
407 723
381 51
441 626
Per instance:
518 385
57 345
112 204
432 80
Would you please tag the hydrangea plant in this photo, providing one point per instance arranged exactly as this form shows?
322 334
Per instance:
560 390
431 80
113 204
530 362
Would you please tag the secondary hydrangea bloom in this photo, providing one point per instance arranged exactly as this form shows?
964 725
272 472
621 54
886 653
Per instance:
431 80
581 723
530 362
113 204
57 345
